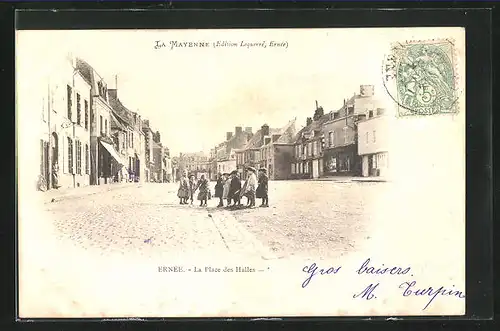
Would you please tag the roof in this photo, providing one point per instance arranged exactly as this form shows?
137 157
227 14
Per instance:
256 140
121 111
288 133
315 125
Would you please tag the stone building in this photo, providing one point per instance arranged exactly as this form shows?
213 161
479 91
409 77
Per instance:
276 153
373 143
129 141
101 143
340 133
250 154
224 154
67 114
148 151
308 147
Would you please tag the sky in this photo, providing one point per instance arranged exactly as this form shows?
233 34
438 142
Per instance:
193 96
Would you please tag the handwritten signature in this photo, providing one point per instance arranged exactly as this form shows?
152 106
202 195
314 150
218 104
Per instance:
368 293
409 290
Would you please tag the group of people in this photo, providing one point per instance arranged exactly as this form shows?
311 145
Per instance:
187 188
229 187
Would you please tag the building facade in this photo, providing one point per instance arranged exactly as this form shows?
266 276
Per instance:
223 156
341 134
101 142
65 158
129 141
373 144
308 149
276 153
148 151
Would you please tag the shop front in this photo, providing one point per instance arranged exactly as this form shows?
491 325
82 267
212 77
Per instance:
342 161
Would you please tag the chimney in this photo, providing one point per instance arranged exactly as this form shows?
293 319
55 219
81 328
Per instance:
238 130
316 104
113 94
265 130
248 129
309 121
366 90
229 135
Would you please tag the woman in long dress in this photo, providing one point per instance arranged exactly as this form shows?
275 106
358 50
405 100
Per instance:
183 192
249 187
203 194
225 190
234 188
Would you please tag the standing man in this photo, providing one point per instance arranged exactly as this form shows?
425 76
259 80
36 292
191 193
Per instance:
262 189
192 187
219 190
55 175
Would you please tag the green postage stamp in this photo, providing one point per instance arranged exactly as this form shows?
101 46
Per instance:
421 77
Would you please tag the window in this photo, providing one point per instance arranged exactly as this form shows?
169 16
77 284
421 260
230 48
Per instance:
123 140
330 139
87 165
374 161
315 148
106 127
292 168
367 137
345 135
132 139
374 137
70 155
100 124
69 98
78 110
86 106
78 157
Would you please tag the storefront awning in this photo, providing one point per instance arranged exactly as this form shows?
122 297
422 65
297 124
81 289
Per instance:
113 152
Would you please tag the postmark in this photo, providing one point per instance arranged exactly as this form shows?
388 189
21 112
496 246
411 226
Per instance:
421 77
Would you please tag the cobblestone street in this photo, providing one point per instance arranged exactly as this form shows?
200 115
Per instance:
305 218
98 245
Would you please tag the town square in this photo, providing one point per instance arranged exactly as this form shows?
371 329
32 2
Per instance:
229 181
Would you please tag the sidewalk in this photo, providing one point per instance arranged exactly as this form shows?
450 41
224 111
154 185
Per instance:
66 193
342 179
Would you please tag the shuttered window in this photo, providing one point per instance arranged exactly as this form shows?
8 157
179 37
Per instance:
87 159
70 156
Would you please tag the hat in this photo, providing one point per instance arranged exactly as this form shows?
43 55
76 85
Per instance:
251 169
225 173
263 169
234 172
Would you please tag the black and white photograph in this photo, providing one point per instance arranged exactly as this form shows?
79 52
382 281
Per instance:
241 172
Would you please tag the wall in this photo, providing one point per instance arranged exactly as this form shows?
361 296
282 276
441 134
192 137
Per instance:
283 155
338 126
64 128
369 142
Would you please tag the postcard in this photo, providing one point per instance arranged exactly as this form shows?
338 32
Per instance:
241 172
